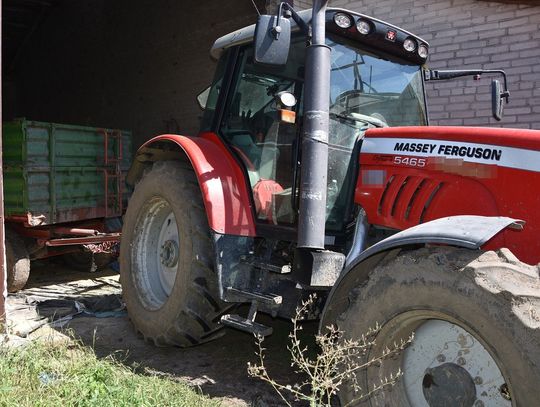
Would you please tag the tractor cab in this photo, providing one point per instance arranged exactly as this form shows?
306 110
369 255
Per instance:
257 109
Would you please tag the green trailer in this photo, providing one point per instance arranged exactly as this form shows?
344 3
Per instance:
64 185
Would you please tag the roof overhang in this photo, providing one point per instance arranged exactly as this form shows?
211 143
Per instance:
245 35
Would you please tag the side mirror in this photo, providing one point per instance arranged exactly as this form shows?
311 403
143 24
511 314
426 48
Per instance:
496 99
202 98
272 40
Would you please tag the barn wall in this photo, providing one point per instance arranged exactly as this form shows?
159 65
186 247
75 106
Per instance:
134 65
139 65
471 34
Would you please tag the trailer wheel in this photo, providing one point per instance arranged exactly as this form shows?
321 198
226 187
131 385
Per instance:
86 261
476 323
17 262
166 259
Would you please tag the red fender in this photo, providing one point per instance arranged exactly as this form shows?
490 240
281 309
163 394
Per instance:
223 186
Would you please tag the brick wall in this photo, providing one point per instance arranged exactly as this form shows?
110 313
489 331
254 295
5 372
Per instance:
471 34
135 65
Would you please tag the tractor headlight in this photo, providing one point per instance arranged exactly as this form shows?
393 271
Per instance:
286 99
409 44
342 20
363 27
423 51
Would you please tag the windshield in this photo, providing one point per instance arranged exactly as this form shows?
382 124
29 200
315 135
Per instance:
365 87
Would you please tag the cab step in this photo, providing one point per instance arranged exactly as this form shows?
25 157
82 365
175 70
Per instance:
268 299
246 325
263 264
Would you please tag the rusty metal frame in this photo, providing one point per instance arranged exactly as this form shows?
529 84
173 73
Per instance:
117 175
89 232
69 241
62 216
54 240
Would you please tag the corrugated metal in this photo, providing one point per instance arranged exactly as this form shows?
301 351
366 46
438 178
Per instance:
33 143
59 172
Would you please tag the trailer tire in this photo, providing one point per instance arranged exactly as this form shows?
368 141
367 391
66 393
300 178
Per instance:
88 262
17 262
166 259
476 318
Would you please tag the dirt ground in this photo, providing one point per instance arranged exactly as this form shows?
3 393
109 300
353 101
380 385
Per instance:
218 368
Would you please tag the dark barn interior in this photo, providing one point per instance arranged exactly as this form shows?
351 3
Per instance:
118 64
131 65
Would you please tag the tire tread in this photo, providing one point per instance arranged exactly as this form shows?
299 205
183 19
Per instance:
199 315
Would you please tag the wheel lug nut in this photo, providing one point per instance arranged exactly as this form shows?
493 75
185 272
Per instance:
505 392
478 380
461 361
441 358
478 403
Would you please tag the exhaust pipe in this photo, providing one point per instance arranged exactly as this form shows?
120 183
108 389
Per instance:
314 169
314 265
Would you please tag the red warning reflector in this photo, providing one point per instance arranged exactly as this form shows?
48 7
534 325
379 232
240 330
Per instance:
391 35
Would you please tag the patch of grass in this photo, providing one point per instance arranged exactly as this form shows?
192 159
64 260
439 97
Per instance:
53 374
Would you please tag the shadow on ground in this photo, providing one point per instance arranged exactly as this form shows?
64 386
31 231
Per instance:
218 368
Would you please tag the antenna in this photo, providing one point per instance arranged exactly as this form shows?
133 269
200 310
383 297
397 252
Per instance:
256 8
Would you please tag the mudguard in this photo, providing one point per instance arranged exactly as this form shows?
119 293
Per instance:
224 189
471 232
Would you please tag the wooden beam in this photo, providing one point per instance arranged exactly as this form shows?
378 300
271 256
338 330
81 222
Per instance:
3 291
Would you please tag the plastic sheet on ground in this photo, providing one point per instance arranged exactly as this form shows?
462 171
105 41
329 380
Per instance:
57 303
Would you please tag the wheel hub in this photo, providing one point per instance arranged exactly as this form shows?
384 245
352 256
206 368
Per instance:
449 385
169 253
157 251
446 365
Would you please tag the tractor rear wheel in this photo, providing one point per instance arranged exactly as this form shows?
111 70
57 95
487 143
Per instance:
476 323
17 262
166 259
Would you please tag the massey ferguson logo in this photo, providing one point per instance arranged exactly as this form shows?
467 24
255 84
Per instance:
451 150
391 35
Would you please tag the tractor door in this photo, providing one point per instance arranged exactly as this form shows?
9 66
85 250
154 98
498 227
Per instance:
266 146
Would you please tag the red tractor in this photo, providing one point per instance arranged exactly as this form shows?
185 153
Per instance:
315 171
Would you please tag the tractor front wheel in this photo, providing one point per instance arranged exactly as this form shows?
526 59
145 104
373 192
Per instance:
166 259
476 323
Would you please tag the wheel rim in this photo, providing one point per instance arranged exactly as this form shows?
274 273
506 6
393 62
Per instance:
155 253
446 364
443 350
